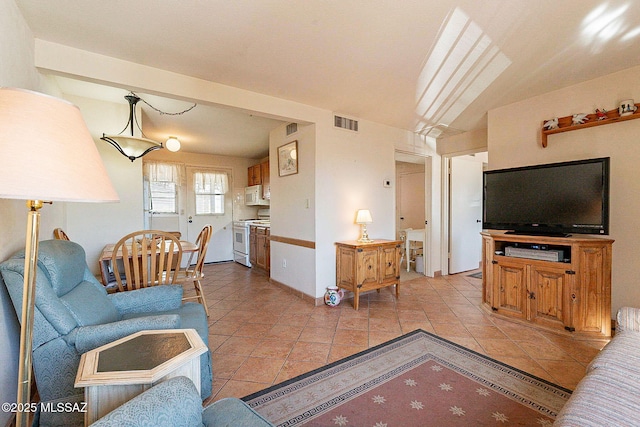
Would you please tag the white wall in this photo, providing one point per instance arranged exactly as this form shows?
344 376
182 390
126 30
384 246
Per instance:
463 143
293 210
350 171
93 225
514 140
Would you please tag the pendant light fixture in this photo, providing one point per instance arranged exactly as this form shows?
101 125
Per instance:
130 146
134 147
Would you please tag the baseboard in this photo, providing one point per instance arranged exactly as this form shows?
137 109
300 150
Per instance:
297 293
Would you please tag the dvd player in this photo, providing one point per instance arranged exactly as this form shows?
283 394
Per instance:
554 255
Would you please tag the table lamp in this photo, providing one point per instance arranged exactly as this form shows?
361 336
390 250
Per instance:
363 217
47 155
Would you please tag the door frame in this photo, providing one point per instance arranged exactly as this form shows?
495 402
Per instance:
428 170
445 213
188 197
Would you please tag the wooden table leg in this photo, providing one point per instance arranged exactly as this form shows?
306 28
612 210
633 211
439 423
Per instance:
356 298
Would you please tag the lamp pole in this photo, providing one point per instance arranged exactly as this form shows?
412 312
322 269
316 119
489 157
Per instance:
28 304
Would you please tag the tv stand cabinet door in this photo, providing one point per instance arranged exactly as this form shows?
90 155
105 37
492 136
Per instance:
547 288
591 297
488 251
510 292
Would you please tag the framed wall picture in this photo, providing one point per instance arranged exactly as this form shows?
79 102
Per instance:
288 159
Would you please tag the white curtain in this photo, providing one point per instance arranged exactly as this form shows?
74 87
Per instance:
211 182
163 172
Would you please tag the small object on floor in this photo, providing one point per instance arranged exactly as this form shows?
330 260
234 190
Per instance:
477 275
333 296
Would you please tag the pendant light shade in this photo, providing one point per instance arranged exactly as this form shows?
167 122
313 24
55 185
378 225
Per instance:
130 146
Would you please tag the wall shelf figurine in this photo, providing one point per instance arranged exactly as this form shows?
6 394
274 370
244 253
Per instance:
566 124
551 124
601 114
627 107
578 119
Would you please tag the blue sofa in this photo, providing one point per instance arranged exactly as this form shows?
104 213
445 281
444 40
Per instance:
175 403
74 314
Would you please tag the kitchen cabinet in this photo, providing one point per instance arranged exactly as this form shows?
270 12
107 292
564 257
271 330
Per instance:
254 175
572 294
361 267
266 180
259 175
259 247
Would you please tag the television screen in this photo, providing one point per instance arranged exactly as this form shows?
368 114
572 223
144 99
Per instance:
558 198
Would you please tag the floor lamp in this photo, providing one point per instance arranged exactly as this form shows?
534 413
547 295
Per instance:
48 155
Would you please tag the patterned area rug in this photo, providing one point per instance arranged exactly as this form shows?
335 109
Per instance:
418 379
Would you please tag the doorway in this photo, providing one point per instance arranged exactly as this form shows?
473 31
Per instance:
413 202
173 202
205 206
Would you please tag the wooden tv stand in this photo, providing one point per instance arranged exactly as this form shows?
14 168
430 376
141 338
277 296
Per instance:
573 294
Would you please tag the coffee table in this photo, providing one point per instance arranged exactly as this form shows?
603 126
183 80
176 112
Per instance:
116 372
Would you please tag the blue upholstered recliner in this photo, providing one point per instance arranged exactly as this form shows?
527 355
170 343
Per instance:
74 314
175 403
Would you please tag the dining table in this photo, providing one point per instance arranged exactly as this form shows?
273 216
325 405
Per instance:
106 271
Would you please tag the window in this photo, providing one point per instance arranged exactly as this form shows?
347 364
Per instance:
209 189
164 181
163 197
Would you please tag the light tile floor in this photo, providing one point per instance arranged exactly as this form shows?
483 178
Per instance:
261 334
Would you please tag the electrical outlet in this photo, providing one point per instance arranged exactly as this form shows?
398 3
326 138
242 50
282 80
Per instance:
284 263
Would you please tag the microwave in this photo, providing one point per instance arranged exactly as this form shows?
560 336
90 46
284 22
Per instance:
253 196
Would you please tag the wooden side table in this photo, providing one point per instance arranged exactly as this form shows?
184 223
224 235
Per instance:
361 267
117 372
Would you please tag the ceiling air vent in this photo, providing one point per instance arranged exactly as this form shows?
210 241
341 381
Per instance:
344 123
292 128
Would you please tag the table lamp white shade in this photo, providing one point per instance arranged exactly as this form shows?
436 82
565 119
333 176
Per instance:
47 151
363 217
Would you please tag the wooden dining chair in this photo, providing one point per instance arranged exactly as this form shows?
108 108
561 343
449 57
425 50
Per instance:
148 259
59 234
194 272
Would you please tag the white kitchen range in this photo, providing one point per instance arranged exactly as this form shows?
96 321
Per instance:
241 235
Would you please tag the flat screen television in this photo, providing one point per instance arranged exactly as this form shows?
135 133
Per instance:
551 199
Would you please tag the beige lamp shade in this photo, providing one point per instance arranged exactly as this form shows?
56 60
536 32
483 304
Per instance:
363 217
47 151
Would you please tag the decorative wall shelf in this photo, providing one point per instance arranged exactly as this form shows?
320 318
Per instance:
564 123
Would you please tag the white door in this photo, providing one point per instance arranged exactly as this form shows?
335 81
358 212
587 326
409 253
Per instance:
410 200
465 242
221 243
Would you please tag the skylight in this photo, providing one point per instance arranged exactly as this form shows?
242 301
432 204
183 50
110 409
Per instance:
462 64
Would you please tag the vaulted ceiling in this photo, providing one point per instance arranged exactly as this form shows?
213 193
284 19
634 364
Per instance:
417 65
